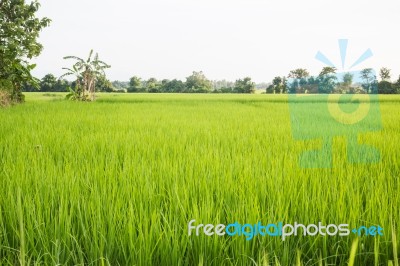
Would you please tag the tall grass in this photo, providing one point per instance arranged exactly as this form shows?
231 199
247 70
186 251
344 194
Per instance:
115 182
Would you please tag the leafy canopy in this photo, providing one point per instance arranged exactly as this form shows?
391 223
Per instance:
19 30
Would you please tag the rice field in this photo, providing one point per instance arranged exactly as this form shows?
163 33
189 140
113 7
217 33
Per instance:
116 181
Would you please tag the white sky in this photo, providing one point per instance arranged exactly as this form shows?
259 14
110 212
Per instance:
225 39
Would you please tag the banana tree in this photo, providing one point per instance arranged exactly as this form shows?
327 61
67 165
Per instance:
87 73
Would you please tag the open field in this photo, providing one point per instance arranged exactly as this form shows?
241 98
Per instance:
116 181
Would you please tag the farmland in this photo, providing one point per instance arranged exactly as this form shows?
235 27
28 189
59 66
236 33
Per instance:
116 181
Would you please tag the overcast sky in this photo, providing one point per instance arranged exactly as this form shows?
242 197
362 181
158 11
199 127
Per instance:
225 39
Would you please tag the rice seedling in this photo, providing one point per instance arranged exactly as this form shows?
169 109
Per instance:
116 181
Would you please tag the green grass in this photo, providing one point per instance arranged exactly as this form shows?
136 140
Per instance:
116 181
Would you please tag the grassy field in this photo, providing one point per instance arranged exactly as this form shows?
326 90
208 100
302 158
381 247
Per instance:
115 182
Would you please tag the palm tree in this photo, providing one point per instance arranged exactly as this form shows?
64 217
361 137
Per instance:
86 73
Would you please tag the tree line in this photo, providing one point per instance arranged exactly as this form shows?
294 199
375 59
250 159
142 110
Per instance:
329 81
197 82
297 81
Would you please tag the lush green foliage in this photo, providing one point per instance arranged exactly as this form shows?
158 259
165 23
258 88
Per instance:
19 30
195 83
135 84
87 73
244 86
50 83
116 182
325 82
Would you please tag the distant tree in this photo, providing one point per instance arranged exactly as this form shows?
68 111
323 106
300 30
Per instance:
386 87
172 86
120 86
348 79
87 73
244 86
27 88
367 74
163 85
226 90
299 77
135 84
62 85
346 85
327 71
368 77
19 31
384 73
104 85
315 84
197 82
294 86
152 85
278 85
270 89
48 83
299 73
327 80
397 85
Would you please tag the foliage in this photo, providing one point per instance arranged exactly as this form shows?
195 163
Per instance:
87 73
386 87
153 86
135 85
73 95
278 85
299 80
299 73
104 85
48 82
369 80
326 71
348 79
384 73
327 80
19 30
244 86
346 85
172 86
397 86
198 83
